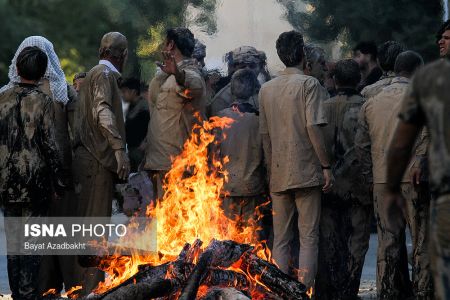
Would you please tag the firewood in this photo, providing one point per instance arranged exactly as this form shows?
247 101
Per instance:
226 253
273 278
226 278
145 290
189 292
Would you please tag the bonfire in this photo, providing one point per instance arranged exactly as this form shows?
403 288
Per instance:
199 249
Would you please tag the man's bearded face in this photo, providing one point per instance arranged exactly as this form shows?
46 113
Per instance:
444 44
252 66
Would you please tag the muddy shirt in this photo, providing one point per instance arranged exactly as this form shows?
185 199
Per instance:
288 104
223 100
377 123
373 89
29 157
61 124
136 123
99 115
172 114
428 102
243 146
342 113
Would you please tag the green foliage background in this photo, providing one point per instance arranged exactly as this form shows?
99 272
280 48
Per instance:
413 22
75 28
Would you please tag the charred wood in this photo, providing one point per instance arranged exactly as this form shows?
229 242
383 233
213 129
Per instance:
273 278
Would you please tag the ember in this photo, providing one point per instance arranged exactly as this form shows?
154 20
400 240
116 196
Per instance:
190 211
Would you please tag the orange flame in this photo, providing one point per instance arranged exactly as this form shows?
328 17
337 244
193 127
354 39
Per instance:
310 293
49 292
190 208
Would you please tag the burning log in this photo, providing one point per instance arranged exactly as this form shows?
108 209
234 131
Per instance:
226 278
193 283
269 275
145 290
226 253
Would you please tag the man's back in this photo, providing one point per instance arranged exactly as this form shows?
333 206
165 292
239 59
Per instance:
288 104
342 113
380 113
243 146
28 153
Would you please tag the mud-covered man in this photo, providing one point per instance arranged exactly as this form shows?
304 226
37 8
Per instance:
177 99
240 58
427 102
346 210
246 184
378 120
291 114
29 163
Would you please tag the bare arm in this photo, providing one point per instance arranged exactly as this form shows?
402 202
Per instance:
399 153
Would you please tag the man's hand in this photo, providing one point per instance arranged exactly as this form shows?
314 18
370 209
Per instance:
416 173
329 180
123 164
170 65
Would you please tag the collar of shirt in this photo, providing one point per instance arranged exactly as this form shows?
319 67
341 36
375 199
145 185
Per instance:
188 62
291 70
347 91
29 85
109 65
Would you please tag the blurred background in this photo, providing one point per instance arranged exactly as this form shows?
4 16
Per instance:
75 27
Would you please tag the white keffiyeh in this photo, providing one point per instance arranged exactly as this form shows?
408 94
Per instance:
54 73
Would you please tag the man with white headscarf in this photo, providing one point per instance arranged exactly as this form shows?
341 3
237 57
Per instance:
54 269
55 86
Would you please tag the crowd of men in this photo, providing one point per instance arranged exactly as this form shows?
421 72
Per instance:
329 143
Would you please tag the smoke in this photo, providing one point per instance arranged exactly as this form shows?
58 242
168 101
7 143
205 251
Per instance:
245 22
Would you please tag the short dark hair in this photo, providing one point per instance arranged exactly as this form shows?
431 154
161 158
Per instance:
183 39
80 75
442 29
290 46
31 63
132 84
408 62
347 73
387 54
244 84
367 48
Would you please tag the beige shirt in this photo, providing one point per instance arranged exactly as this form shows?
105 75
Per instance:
243 146
377 123
288 104
100 96
172 108
374 89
